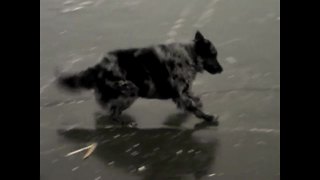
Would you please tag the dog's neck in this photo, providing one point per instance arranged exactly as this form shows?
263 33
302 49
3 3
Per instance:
197 60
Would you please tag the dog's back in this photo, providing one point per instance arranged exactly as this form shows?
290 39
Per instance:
153 70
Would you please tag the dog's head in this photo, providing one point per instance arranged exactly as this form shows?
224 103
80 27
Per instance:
208 53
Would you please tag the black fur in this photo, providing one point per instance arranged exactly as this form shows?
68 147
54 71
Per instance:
163 71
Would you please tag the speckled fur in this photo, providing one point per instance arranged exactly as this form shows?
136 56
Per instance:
164 71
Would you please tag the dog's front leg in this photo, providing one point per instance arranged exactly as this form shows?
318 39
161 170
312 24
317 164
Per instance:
187 103
195 99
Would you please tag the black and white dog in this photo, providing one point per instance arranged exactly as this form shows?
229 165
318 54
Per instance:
164 71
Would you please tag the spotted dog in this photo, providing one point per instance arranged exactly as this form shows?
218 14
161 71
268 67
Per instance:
164 71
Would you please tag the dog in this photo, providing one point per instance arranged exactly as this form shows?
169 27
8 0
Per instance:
164 71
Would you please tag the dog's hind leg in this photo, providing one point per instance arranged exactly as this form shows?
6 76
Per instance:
116 96
128 94
115 112
117 106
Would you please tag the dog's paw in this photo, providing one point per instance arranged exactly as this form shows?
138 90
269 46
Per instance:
132 125
128 124
213 120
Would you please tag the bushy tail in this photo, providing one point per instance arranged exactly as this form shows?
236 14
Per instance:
83 80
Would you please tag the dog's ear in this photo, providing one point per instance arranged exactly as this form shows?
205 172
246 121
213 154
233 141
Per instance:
198 36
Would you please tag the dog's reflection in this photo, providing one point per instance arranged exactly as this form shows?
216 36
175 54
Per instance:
161 153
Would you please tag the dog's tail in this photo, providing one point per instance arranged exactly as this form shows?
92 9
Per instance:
83 80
